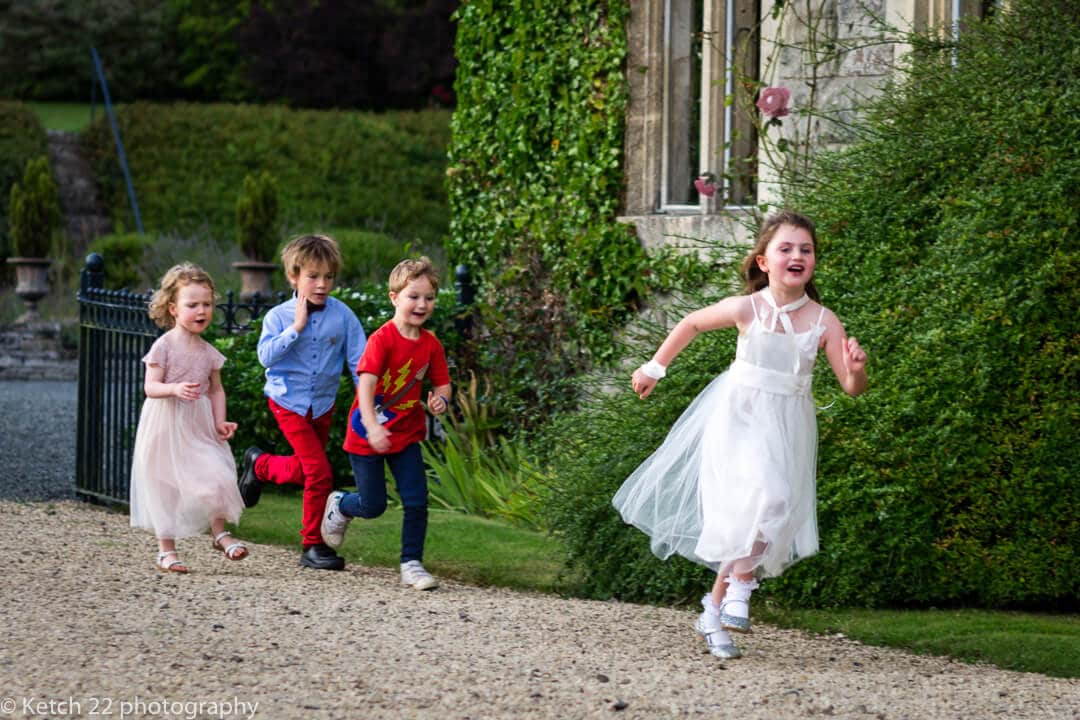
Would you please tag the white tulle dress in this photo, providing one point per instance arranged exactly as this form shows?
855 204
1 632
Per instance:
735 479
182 475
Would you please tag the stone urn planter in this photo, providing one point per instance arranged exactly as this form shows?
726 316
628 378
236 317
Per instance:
255 277
32 284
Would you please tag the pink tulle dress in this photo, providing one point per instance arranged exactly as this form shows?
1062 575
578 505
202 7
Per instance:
182 475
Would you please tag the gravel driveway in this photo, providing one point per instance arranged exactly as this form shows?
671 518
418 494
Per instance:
92 630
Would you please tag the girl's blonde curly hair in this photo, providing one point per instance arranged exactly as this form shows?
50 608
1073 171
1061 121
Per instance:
175 278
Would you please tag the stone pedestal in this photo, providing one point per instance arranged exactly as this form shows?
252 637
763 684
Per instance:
32 284
255 277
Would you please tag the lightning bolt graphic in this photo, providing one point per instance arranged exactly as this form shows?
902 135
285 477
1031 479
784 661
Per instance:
405 405
403 373
386 380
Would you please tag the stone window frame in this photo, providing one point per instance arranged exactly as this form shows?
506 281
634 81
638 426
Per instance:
648 200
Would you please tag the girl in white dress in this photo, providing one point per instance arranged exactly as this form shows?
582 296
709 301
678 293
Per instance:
733 485
183 475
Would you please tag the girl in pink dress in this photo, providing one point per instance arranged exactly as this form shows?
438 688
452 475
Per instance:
183 475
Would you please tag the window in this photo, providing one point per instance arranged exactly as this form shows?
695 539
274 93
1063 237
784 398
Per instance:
708 47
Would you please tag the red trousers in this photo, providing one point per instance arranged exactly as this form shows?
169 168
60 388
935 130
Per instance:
308 466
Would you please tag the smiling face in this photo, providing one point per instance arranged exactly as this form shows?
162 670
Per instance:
414 303
789 259
193 308
314 281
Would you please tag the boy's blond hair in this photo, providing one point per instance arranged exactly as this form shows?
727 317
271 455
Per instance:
408 270
311 250
175 278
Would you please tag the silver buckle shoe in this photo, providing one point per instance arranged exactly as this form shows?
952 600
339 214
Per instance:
735 607
414 575
334 522
719 642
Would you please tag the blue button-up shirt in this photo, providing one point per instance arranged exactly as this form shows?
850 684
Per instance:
303 370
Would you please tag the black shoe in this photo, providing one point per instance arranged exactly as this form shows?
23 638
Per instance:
250 487
322 557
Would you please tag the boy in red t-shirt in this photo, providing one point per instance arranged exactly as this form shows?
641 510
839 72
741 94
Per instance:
387 421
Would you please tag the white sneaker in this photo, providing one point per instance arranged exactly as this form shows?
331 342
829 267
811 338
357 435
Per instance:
413 574
334 522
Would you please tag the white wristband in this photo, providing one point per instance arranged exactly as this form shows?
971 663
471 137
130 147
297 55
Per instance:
654 370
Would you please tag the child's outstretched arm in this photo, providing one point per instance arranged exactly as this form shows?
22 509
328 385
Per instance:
846 356
729 312
216 393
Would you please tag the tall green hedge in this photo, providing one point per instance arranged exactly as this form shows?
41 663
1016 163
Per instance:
22 138
381 172
535 185
948 244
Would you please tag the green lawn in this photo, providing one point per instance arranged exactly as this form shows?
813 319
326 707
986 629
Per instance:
463 547
1029 642
486 552
70 117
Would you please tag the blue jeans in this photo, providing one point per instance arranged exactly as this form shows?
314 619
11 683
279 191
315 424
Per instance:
369 500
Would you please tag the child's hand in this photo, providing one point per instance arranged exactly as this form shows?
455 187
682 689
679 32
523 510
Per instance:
225 430
186 391
642 383
301 317
854 357
378 438
436 403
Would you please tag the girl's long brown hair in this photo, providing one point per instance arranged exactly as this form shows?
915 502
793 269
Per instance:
753 277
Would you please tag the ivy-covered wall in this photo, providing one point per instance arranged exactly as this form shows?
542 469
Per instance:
535 180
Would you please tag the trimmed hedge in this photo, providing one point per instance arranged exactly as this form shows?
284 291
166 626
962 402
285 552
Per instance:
383 173
948 246
22 138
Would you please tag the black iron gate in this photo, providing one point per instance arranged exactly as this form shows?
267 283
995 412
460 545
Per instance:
115 333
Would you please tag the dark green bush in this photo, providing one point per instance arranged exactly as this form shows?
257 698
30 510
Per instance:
21 138
34 211
125 260
45 48
948 246
950 237
383 173
257 229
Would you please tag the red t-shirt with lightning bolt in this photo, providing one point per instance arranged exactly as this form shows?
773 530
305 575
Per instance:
396 360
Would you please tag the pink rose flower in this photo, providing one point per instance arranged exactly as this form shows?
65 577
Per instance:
773 102
705 185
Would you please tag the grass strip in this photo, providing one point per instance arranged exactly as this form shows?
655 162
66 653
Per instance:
1028 642
471 549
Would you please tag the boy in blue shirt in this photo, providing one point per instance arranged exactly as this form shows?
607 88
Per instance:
305 343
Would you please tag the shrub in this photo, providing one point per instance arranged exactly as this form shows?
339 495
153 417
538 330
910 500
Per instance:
34 212
21 138
256 217
382 173
125 260
947 243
